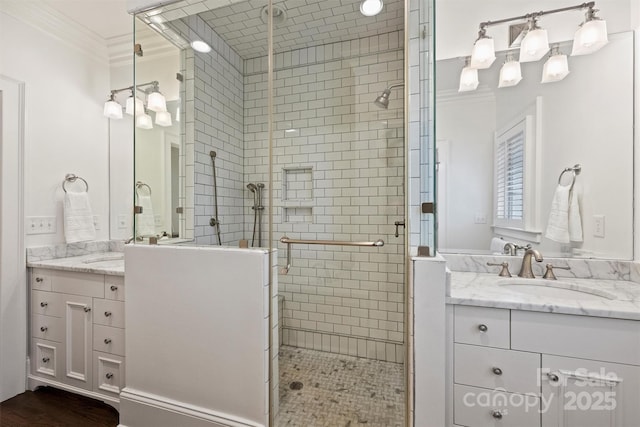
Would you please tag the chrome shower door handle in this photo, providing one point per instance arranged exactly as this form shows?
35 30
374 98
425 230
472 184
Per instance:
398 224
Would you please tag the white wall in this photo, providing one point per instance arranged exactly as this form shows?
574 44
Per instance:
65 129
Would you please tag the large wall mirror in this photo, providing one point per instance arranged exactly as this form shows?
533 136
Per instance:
501 151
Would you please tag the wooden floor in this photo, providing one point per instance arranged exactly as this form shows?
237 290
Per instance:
55 408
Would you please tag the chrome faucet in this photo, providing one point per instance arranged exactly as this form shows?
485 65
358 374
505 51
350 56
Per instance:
525 270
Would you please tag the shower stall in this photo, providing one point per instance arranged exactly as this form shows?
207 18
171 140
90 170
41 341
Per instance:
293 118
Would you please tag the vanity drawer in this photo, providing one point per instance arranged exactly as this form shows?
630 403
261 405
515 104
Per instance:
40 280
108 371
481 326
477 407
108 339
513 371
47 327
596 338
90 285
47 303
108 313
114 288
47 359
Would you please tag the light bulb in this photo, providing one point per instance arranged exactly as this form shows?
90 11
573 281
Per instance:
468 79
534 45
112 109
590 37
139 109
510 74
483 53
156 102
144 121
163 118
555 69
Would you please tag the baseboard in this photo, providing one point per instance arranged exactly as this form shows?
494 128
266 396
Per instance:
138 408
34 382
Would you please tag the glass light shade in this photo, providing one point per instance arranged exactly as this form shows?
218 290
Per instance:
468 79
555 69
177 114
156 102
129 106
590 37
163 118
144 121
510 74
534 45
371 7
483 53
112 110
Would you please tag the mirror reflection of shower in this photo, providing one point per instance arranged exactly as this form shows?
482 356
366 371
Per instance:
258 209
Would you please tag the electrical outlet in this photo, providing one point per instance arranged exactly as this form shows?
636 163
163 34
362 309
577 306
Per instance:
96 222
122 221
41 225
598 225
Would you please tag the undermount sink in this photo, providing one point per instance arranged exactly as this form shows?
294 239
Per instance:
114 256
554 289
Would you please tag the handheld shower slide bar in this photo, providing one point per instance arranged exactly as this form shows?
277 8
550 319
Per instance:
284 239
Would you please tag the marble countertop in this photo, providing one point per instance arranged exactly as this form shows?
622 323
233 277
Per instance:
604 298
109 263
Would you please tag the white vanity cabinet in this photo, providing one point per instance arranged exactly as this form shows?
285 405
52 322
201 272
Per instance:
522 368
77 332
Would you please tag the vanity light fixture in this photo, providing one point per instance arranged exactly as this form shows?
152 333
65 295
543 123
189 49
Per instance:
371 7
112 109
129 106
591 36
144 121
468 77
483 53
200 46
556 68
155 100
535 43
510 73
163 118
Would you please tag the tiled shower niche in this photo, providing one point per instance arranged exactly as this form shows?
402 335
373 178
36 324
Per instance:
297 194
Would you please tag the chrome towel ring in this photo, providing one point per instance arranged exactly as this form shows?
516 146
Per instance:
141 184
70 177
576 169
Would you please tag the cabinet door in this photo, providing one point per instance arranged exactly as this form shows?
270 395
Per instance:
78 340
585 393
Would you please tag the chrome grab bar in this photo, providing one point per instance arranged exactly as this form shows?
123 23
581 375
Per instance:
284 239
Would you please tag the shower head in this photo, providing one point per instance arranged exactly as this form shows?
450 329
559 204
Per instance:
260 185
251 187
383 100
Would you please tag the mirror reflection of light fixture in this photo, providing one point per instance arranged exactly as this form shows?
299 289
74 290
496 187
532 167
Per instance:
112 109
371 7
483 53
144 121
139 105
468 77
163 118
556 68
510 73
591 36
535 43
155 100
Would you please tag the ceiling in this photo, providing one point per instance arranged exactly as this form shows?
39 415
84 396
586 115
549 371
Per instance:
106 18
308 23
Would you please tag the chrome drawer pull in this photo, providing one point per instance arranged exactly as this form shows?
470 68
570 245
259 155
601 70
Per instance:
497 415
43 328
107 340
483 328
45 360
39 279
114 288
109 375
87 309
497 371
107 313
44 304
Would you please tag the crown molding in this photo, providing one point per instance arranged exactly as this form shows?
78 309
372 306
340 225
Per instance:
452 96
46 19
154 46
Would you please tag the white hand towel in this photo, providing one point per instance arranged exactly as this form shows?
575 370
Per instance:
558 224
497 246
78 218
145 222
575 220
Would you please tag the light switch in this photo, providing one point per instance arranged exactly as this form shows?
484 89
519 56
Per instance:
598 225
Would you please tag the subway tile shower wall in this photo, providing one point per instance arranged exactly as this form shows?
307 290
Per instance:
338 175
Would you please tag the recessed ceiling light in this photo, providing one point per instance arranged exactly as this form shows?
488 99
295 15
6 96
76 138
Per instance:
371 7
200 46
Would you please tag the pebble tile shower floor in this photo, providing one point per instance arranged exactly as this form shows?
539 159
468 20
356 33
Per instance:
338 390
